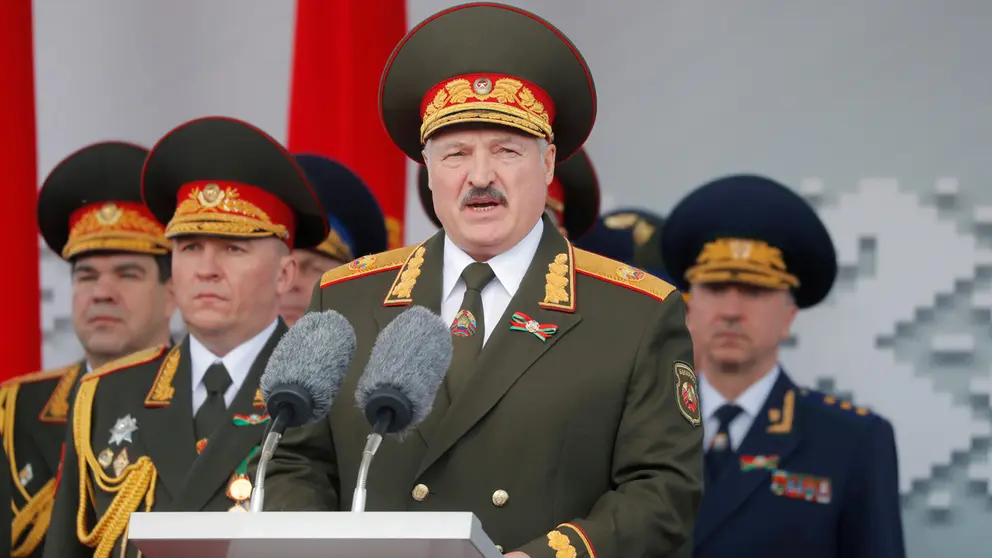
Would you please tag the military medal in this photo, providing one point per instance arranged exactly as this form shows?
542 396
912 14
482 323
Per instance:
200 444
756 462
26 475
239 487
523 322
105 458
122 430
121 462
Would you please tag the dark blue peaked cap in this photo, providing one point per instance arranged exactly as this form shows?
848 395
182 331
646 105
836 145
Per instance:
357 224
750 229
630 236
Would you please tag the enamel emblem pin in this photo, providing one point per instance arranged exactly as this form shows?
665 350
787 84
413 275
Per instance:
463 325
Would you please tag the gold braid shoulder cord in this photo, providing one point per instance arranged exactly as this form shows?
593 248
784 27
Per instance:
37 512
135 483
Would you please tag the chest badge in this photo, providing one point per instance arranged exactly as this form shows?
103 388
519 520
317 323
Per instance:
26 475
122 430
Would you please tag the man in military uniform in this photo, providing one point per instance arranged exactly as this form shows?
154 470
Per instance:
357 225
573 196
632 236
89 212
790 472
559 424
172 429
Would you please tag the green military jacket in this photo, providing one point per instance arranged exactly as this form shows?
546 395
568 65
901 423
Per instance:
131 444
587 443
33 413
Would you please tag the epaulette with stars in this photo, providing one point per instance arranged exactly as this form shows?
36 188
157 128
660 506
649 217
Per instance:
368 265
130 361
836 402
618 273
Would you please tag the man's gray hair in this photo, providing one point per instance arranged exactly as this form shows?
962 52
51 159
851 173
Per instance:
542 145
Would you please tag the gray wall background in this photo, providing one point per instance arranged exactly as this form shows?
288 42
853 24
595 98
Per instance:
877 110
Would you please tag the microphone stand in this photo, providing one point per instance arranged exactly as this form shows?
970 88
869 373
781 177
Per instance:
383 419
268 448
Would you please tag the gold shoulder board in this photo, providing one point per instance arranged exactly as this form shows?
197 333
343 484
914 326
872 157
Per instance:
53 374
621 274
129 361
367 265
832 401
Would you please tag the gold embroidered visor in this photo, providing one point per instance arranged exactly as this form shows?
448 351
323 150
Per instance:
738 260
114 226
488 98
230 209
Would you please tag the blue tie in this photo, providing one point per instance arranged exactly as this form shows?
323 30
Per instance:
720 452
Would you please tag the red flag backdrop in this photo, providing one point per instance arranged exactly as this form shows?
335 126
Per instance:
20 330
340 49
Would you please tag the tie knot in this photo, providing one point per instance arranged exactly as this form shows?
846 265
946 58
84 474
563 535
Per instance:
727 413
216 380
477 276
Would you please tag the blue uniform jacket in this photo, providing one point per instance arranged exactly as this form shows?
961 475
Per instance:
816 478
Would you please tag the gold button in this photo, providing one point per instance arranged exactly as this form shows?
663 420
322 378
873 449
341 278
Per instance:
499 548
500 497
420 492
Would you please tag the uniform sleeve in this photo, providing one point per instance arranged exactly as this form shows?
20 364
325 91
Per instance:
303 474
871 522
6 496
62 540
657 461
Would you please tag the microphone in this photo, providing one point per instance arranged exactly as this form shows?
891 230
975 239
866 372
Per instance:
404 373
301 380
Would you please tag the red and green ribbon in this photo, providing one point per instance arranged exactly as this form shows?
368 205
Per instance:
757 462
243 467
250 420
523 322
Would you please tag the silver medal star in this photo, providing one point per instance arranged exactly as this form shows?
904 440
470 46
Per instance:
122 430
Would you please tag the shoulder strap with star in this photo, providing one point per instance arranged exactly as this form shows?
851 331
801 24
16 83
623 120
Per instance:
618 273
129 361
367 265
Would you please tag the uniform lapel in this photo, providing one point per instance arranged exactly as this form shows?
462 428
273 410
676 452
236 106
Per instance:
508 354
168 427
230 444
427 293
775 432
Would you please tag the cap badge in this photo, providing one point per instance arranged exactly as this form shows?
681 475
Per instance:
482 86
740 249
108 214
210 196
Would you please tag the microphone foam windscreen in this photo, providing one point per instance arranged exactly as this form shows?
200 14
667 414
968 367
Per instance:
411 355
314 355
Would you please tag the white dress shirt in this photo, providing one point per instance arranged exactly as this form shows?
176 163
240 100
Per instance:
509 267
752 400
238 363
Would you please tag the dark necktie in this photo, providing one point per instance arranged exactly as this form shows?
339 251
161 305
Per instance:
214 409
468 328
721 453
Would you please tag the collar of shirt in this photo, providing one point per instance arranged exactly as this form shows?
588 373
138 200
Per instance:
509 267
751 401
238 362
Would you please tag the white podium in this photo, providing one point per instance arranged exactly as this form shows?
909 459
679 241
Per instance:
311 535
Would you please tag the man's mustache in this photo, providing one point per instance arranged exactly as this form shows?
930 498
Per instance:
483 195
